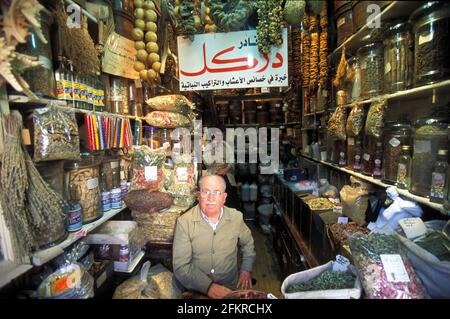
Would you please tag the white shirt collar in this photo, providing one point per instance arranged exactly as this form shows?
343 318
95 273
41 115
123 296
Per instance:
210 223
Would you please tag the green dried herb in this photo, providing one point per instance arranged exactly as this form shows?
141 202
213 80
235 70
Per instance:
437 244
327 280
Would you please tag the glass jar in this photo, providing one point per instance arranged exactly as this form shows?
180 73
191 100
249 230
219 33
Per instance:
368 156
125 96
110 170
116 97
370 58
152 137
53 174
135 100
439 178
430 134
404 168
398 57
344 23
166 140
84 176
395 135
41 78
431 42
355 91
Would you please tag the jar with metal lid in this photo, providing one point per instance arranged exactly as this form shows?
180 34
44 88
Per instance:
41 79
398 57
110 169
430 134
355 90
84 176
116 95
395 135
370 58
431 25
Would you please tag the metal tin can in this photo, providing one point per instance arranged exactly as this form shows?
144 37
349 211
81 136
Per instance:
74 220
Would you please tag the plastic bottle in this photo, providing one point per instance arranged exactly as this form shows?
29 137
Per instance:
439 178
404 168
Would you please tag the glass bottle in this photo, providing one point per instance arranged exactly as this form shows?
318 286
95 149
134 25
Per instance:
101 95
404 168
342 160
105 193
439 178
83 92
154 140
165 141
377 160
60 77
78 103
90 92
72 84
358 153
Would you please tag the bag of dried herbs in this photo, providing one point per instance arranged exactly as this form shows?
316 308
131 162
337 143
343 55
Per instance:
384 269
173 103
355 121
147 168
337 122
355 200
164 119
55 134
375 118
145 201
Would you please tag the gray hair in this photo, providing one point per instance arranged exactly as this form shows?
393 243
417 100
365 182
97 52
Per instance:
222 180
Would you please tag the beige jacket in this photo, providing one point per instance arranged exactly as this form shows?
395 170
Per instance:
202 256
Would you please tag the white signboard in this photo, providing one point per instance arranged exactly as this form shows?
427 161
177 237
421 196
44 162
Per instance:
229 61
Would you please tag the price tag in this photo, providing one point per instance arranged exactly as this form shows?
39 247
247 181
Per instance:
394 142
92 183
351 141
151 173
387 68
337 209
342 220
182 174
340 22
341 263
265 90
366 157
395 268
26 139
138 83
413 227
426 38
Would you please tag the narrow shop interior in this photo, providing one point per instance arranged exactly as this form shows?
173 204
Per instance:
224 149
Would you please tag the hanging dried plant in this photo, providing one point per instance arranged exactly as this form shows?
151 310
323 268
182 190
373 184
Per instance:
79 47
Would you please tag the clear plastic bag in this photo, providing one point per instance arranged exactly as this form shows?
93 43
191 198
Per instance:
384 269
355 121
55 134
147 168
174 103
164 119
355 201
337 122
375 118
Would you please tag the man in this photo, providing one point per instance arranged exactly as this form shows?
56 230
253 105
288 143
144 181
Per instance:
206 244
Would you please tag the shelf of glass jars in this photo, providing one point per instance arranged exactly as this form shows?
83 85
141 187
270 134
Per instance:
41 257
403 192
262 125
22 99
414 93
396 9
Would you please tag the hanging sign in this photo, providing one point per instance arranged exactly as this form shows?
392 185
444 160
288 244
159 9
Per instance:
119 57
229 61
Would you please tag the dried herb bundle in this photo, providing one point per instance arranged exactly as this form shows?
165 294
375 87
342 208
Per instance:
323 48
79 46
306 43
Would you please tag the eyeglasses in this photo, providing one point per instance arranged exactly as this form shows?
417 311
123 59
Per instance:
207 193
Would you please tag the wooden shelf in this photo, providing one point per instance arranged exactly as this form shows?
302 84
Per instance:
411 94
370 179
396 9
314 113
11 271
41 257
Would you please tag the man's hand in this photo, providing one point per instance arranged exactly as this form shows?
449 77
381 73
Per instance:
217 291
245 280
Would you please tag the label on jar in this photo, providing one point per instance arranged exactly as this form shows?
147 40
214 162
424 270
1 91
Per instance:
138 83
92 183
366 157
394 142
351 141
437 185
425 38
68 90
74 221
401 172
340 22
76 91
46 63
422 146
387 68
106 201
114 164
151 173
182 174
116 198
394 268
363 65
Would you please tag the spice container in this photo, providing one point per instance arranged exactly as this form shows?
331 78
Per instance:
395 135
404 168
430 134
431 42
84 175
438 178
41 78
355 69
370 58
344 22
398 57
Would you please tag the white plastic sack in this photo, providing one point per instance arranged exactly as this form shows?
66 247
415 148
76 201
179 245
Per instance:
434 273
307 275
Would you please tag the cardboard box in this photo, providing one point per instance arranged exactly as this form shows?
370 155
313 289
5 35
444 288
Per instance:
107 240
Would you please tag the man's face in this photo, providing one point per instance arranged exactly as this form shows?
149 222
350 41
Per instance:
211 203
